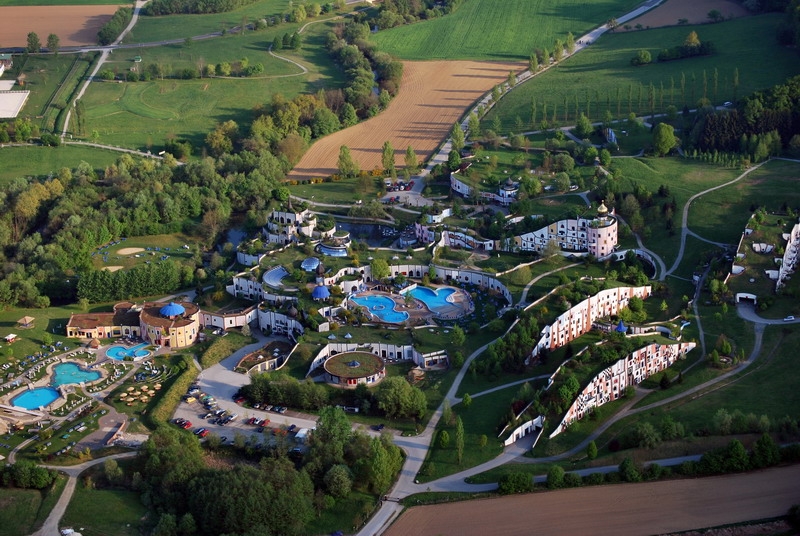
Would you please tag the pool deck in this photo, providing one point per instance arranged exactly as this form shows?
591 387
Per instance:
459 305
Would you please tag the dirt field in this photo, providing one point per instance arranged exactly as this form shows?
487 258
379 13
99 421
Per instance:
696 11
74 25
432 97
130 251
649 508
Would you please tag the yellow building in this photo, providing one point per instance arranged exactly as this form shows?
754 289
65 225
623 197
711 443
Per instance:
175 325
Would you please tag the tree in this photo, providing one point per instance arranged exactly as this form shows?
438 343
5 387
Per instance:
642 57
387 157
664 139
570 43
766 452
516 482
466 401
34 45
715 15
457 137
411 161
347 166
380 269
474 125
398 398
583 127
338 480
483 440
692 40
458 337
53 43
444 439
628 471
328 442
555 477
459 440
453 160
348 115
591 450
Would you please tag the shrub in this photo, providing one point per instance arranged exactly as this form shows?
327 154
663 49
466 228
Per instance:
516 482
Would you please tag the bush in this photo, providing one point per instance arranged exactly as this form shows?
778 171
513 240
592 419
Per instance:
642 58
572 480
515 483
555 477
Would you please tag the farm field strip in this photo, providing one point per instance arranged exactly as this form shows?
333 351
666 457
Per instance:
74 25
433 97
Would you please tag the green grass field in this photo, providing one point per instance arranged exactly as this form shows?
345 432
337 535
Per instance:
24 511
36 161
597 75
43 78
99 512
723 214
151 29
685 178
508 30
143 114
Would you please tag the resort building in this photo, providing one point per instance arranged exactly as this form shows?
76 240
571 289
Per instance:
122 322
579 319
174 325
610 384
505 195
596 236
284 227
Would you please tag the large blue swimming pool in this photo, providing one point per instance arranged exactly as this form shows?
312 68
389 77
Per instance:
435 300
120 352
72 373
382 307
35 398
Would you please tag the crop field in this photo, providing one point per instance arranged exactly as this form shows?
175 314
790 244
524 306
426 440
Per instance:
434 95
143 114
601 77
74 25
32 161
668 13
488 30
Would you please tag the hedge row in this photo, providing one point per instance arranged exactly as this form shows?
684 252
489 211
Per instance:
163 410
111 30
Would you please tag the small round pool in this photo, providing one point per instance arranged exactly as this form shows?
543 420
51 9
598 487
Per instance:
36 398
120 352
382 307
67 373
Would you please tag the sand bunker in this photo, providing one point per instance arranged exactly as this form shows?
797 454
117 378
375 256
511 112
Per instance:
112 268
130 251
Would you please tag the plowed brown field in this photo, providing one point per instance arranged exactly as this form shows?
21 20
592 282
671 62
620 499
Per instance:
650 508
432 97
74 25
695 11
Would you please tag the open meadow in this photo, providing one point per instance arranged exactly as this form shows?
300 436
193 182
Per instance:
487 30
433 97
34 161
98 512
143 114
74 25
602 78
24 511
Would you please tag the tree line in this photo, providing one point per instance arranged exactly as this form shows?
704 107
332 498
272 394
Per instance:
398 12
114 27
158 8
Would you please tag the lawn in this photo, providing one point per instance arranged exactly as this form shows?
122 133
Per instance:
154 248
24 511
487 30
152 29
722 215
143 115
482 417
601 77
684 177
39 162
98 512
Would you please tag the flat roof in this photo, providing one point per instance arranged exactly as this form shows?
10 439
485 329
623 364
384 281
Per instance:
11 103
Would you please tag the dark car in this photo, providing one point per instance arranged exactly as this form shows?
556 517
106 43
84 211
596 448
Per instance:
378 427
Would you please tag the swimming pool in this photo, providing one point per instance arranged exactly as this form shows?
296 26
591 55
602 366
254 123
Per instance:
120 352
382 307
35 398
72 373
333 251
435 300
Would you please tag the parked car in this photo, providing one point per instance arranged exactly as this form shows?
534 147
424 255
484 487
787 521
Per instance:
789 318
187 425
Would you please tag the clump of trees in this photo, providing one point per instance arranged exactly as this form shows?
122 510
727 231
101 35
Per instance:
691 47
26 474
281 389
398 12
173 7
118 22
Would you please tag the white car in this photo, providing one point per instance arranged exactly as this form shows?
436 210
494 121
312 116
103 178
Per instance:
789 318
